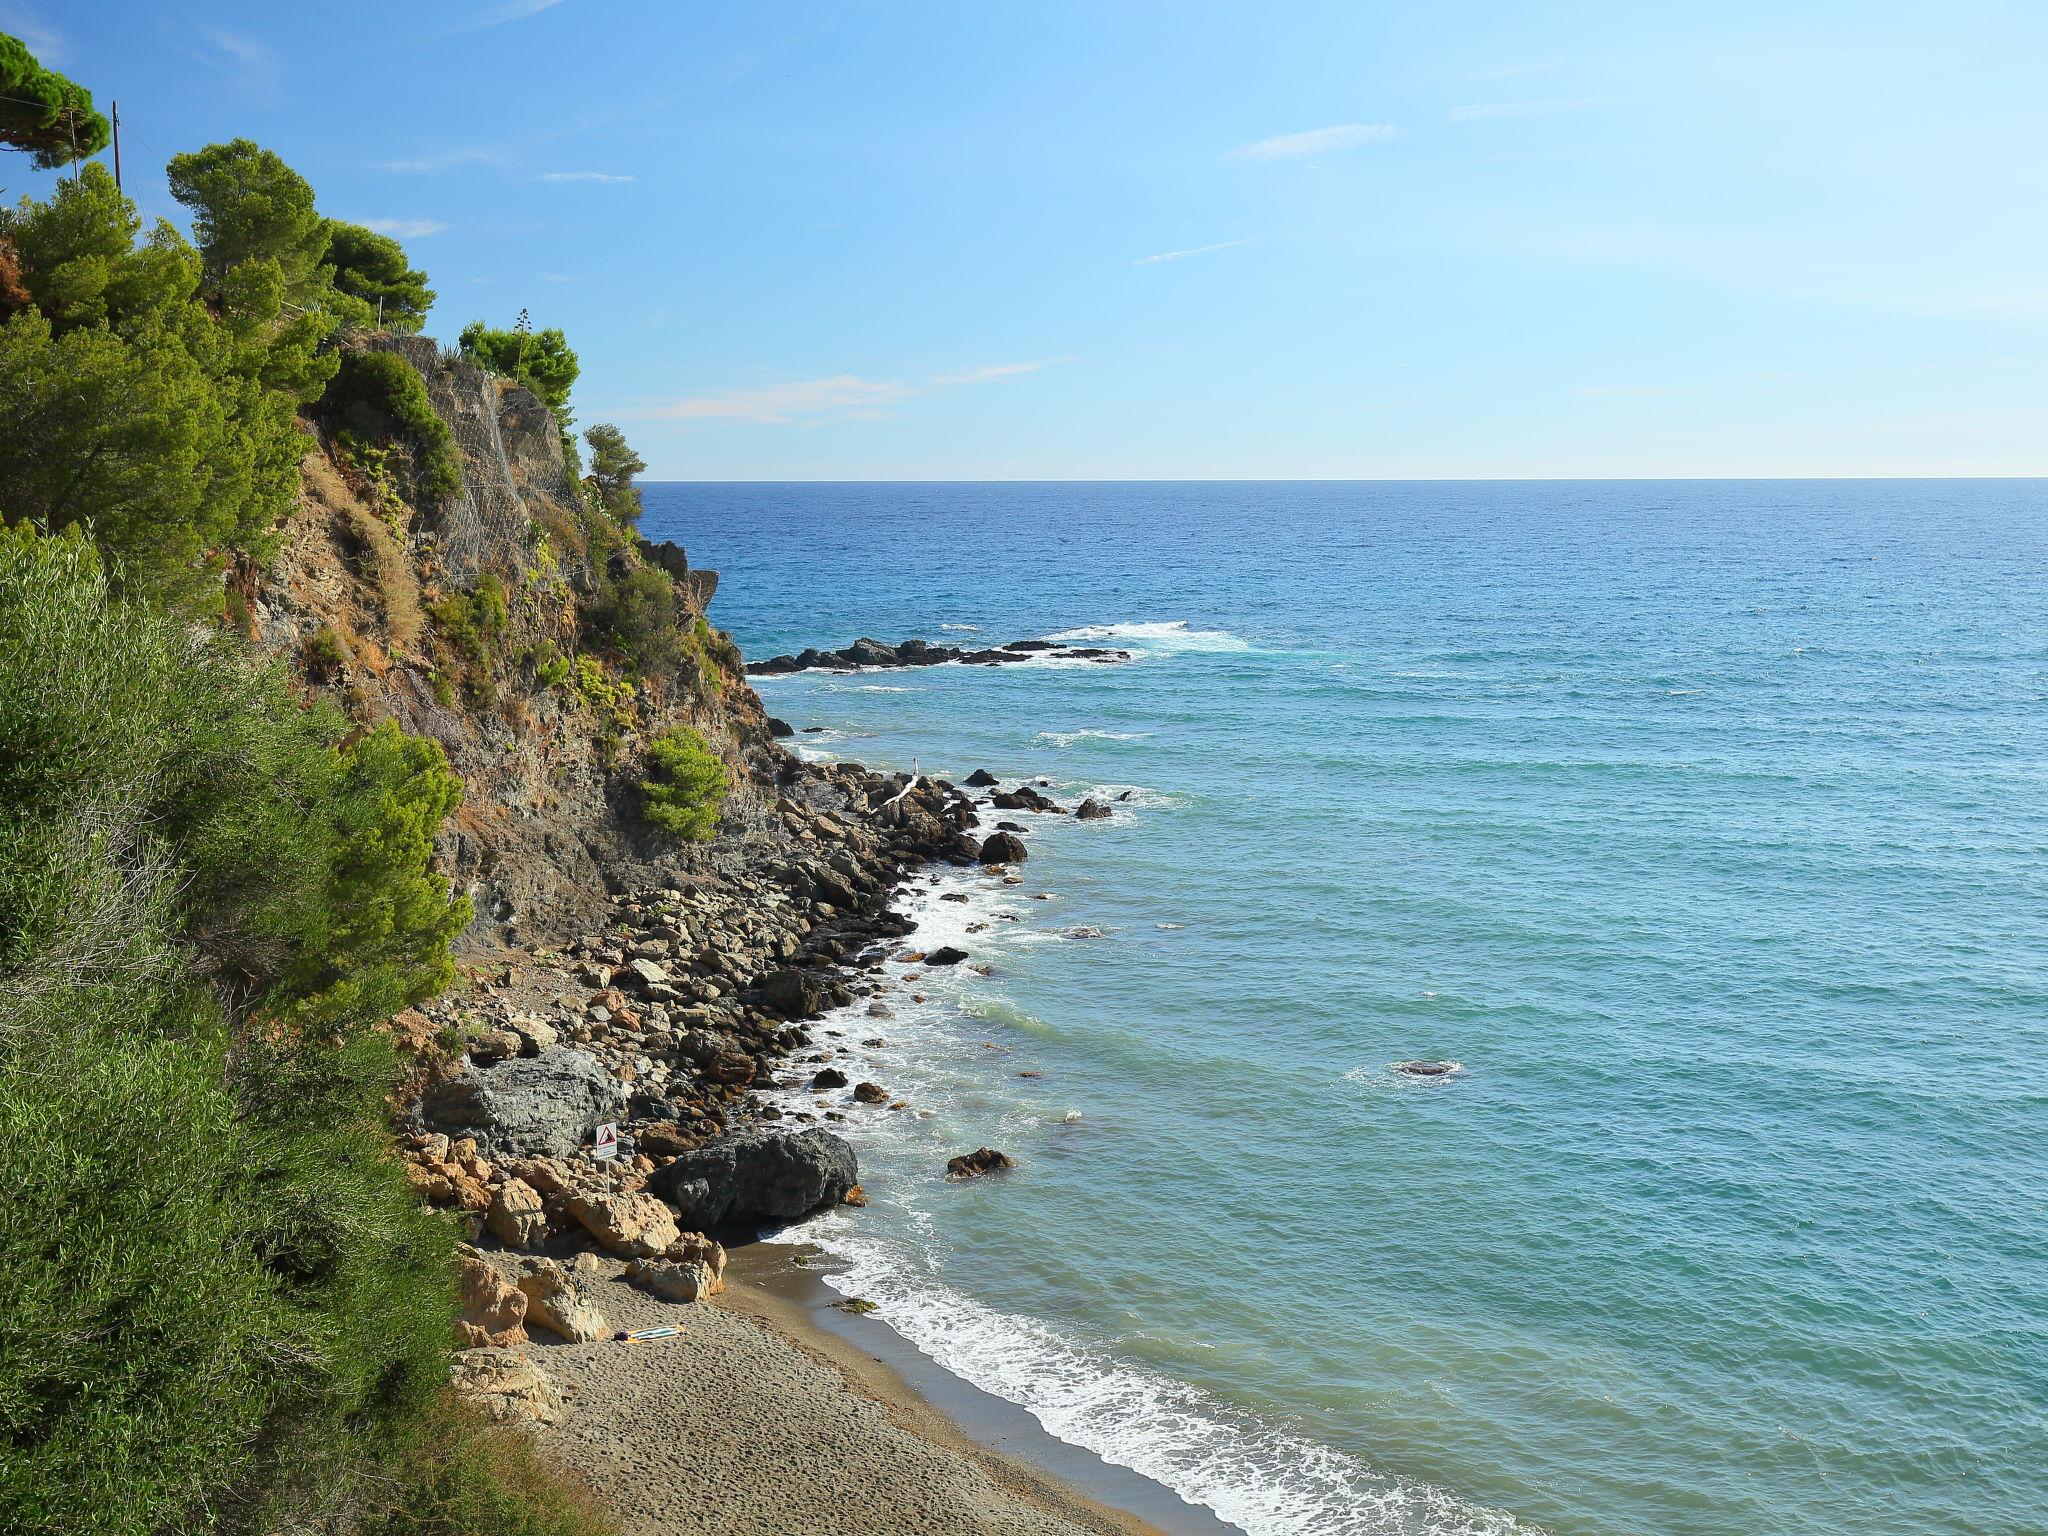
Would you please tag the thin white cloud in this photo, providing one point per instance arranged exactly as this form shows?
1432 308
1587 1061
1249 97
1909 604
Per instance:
498 15
439 161
1487 110
845 395
1193 250
1316 141
410 229
580 176
43 40
232 53
1511 71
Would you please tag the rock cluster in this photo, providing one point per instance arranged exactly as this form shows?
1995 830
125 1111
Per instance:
866 652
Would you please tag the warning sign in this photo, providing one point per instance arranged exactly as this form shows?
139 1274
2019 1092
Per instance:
606 1143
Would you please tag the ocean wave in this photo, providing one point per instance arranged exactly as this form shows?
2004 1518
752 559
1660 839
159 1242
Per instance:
969 628
1260 1477
1068 738
1171 635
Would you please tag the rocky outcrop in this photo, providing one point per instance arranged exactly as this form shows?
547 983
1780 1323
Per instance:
632 1226
758 1175
866 652
516 1216
531 1106
493 1310
507 1386
557 1300
1004 848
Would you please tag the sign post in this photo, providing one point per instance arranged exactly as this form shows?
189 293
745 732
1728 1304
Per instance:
604 1147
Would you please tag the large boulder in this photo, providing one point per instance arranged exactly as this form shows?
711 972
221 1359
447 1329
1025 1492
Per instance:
1004 848
517 1217
493 1310
531 1106
757 1175
508 1387
632 1226
556 1300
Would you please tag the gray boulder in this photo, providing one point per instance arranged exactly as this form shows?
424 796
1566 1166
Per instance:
530 1106
757 1175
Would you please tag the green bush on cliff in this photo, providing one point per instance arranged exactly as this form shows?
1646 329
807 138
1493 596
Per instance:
685 785
384 391
44 114
372 277
224 1305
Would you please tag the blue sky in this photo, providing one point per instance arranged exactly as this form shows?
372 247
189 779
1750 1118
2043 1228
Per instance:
1180 239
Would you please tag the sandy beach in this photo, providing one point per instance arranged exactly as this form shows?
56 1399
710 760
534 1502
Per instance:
758 1422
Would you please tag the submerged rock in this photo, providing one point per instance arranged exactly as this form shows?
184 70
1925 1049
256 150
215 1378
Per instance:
972 1165
1426 1068
758 1175
945 954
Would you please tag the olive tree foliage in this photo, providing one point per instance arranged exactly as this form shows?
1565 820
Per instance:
43 114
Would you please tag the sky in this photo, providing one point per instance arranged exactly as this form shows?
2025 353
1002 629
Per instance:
1165 239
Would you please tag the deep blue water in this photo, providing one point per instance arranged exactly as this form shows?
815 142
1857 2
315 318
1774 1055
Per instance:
1704 824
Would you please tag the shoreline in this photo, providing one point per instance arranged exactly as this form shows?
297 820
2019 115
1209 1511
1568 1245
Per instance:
762 1283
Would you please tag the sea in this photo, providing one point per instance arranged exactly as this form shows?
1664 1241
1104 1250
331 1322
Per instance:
1702 825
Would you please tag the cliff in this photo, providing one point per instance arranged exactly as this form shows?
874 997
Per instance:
467 619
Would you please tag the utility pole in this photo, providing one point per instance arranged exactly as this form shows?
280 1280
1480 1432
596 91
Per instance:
117 146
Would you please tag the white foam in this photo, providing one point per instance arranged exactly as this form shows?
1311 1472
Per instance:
971 628
1261 1476
1068 738
1170 635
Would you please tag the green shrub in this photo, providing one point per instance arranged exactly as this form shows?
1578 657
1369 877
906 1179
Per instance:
634 615
324 652
384 389
222 1299
685 785
472 624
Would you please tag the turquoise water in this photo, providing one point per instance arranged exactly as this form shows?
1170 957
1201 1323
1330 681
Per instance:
1703 824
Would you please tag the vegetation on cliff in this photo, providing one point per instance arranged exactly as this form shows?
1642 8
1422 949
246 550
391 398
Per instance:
685 785
226 1308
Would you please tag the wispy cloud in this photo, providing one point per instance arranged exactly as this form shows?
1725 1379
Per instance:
1193 250
44 40
435 162
498 15
1486 110
409 229
1629 391
1316 141
843 395
232 53
580 176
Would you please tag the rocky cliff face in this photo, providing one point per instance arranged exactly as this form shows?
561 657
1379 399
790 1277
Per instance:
461 621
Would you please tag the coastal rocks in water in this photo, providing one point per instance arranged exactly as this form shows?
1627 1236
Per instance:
555 1299
870 1093
532 1106
516 1216
981 778
972 1165
1025 798
1425 1068
632 1226
758 1175
1091 810
869 652
828 1077
505 1385
780 729
1004 848
493 1310
945 954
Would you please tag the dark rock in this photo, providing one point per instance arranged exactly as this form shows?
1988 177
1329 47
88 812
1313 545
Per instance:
1004 848
972 1165
789 993
870 1093
981 778
1092 810
757 1175
780 728
530 1106
1426 1068
945 954
828 1077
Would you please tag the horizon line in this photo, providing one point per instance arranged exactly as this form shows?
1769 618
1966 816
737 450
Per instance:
1354 479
